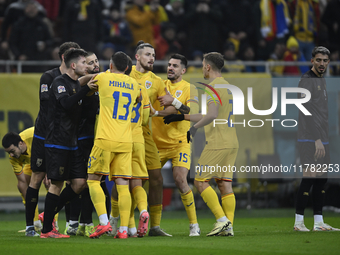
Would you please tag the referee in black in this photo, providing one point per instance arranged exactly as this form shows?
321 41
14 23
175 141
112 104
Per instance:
313 142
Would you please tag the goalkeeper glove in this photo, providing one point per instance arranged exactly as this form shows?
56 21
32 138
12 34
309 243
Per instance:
191 133
173 117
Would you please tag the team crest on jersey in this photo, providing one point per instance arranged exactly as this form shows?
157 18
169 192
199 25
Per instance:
80 101
39 162
148 84
303 95
319 88
74 91
44 88
61 170
61 89
178 93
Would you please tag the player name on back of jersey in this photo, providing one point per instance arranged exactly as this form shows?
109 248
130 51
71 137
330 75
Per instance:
121 84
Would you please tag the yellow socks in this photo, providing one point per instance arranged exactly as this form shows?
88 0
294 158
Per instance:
124 204
189 205
155 215
229 204
140 198
132 223
97 196
114 208
210 198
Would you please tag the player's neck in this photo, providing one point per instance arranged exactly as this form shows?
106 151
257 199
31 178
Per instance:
177 80
140 69
214 75
63 68
72 74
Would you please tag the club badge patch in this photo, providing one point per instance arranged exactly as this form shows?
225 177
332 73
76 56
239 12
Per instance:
44 88
178 93
61 89
148 84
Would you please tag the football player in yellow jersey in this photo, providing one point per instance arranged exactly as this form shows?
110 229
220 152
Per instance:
18 146
155 87
171 139
221 147
112 148
139 118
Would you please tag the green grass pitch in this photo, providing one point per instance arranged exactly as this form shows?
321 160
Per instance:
258 231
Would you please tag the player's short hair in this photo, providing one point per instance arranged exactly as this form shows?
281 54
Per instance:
11 138
141 45
73 55
89 53
128 71
215 60
184 61
322 50
120 61
66 46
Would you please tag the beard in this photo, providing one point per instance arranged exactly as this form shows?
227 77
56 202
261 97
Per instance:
92 71
146 67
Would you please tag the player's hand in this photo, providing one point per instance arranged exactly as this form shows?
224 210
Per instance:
173 117
140 98
319 150
92 84
191 133
167 99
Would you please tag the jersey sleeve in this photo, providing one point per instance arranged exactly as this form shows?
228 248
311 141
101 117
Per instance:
161 88
192 100
59 89
16 166
45 83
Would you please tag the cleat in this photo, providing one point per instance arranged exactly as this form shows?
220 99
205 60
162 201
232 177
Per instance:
143 224
157 231
100 230
53 234
300 226
54 223
31 232
320 226
228 232
41 217
120 235
219 227
72 229
37 226
194 230
88 230
114 225
81 230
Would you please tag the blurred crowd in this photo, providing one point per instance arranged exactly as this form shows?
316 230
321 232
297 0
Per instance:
269 30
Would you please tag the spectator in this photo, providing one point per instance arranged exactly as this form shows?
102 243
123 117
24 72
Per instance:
141 21
107 52
163 17
331 19
198 57
277 55
334 69
248 54
30 37
83 23
229 54
116 30
240 19
205 19
13 13
305 26
51 7
294 54
166 42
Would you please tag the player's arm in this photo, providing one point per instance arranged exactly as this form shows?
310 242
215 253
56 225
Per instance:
146 114
22 184
85 79
206 119
45 84
320 152
168 100
67 102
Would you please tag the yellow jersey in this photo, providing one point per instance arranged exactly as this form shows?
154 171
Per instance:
154 85
117 97
24 159
166 136
222 135
138 115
